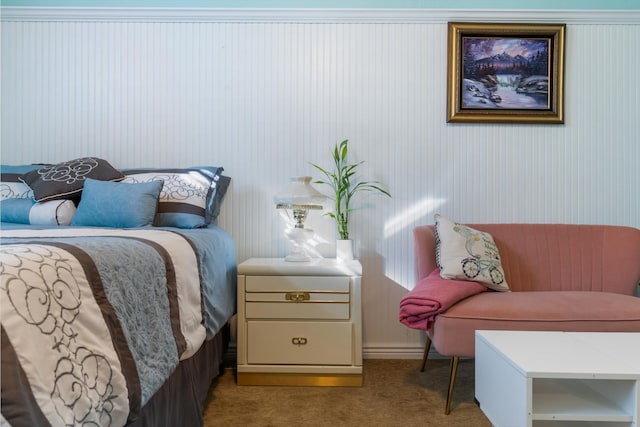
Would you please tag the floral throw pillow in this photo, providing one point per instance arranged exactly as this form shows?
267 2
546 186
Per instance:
463 253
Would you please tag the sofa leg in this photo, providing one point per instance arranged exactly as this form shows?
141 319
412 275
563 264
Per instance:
452 383
427 347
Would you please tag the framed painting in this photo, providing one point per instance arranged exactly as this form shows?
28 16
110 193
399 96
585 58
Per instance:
505 73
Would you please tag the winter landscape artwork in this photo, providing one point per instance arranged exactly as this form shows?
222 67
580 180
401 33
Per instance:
506 73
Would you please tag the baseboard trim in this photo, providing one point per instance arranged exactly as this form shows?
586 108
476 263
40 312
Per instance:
311 15
398 353
367 353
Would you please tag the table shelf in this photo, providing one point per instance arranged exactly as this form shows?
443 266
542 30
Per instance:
583 400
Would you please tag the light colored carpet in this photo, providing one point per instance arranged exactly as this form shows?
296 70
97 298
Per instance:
395 393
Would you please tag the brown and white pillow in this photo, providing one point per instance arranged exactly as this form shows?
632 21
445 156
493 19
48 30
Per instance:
65 180
463 253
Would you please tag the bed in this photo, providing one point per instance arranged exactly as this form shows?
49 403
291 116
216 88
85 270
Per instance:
116 323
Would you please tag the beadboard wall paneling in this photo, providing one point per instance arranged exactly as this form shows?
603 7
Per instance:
265 99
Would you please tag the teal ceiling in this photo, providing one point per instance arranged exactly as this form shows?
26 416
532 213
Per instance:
368 4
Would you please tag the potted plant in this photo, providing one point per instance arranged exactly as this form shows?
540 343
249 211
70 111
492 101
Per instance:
345 185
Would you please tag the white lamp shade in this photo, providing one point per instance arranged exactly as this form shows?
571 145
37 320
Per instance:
300 192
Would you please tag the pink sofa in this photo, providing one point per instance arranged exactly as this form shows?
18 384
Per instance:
562 278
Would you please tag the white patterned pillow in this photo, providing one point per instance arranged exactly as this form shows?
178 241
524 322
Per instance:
11 187
187 196
463 253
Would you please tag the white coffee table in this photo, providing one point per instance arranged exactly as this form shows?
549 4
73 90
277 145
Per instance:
558 378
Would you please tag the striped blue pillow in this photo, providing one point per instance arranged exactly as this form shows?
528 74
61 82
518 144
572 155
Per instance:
187 197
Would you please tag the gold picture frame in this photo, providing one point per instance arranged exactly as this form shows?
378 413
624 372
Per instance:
505 73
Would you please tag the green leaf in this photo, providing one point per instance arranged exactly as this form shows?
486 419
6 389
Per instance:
342 181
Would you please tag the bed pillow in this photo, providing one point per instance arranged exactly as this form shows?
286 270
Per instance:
28 211
463 253
188 195
216 205
117 204
66 179
11 187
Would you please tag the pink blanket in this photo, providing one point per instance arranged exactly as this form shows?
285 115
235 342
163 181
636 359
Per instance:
432 296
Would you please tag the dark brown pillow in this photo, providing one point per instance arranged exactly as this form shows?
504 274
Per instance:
66 179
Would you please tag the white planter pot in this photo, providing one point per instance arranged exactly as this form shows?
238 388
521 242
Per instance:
344 250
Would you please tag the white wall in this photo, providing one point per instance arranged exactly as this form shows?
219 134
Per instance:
265 98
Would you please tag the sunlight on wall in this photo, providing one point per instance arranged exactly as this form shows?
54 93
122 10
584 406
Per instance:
405 218
399 224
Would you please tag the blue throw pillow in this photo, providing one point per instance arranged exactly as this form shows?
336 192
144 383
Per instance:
117 204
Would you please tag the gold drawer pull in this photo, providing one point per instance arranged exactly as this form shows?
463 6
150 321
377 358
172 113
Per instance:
298 340
297 296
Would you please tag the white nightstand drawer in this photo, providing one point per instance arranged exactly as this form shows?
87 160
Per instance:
297 283
293 297
302 343
297 310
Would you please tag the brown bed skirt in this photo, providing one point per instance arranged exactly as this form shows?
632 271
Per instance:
180 401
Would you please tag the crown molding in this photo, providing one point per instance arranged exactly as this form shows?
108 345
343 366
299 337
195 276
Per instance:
304 15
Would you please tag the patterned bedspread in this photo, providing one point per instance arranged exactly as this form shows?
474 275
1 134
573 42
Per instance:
95 320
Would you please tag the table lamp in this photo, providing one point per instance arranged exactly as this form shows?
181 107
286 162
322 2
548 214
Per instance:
297 200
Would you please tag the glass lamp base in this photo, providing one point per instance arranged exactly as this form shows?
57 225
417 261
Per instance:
298 236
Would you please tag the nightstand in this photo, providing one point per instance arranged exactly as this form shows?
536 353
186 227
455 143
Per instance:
299 323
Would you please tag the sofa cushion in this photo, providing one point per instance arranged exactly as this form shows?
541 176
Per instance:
464 253
571 311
